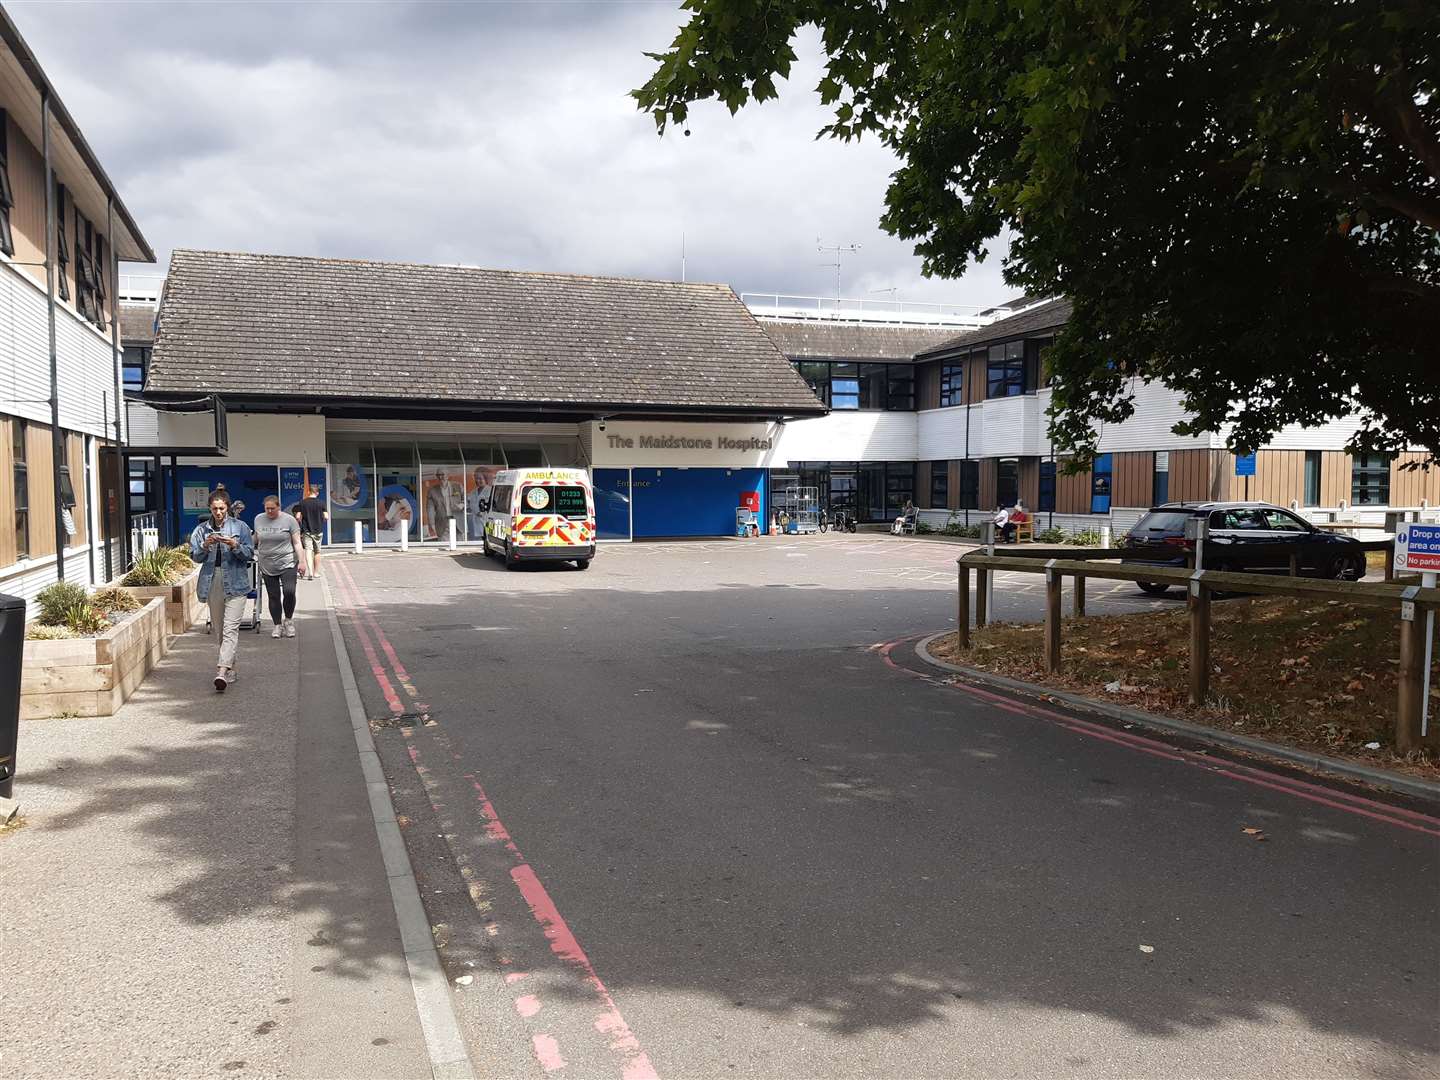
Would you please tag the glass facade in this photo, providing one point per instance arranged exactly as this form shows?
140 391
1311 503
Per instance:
872 491
849 386
399 487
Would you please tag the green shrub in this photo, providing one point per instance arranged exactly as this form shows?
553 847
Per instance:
82 618
113 599
1088 538
54 600
153 568
922 529
41 632
180 560
1052 535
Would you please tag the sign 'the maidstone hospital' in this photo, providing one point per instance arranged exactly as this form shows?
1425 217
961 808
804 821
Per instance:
1417 547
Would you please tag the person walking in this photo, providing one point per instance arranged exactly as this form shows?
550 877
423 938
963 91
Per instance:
224 548
313 516
279 555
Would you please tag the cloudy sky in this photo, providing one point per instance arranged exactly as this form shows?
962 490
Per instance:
490 133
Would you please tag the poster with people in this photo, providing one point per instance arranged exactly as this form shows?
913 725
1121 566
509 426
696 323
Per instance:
478 483
351 502
443 497
397 514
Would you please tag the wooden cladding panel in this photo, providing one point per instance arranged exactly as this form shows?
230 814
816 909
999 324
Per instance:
1132 480
39 466
1190 476
989 480
922 485
1409 486
953 491
1072 493
927 385
975 376
1030 482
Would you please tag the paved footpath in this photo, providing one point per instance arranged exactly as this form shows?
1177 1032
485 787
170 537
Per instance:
179 905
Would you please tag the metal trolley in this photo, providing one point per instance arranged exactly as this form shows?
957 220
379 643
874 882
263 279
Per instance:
253 622
799 508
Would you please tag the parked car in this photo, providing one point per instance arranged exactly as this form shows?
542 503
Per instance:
1248 537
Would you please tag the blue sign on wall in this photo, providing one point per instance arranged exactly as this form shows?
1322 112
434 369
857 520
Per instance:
1244 464
690 502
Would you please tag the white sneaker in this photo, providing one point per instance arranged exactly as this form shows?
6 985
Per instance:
289 628
276 632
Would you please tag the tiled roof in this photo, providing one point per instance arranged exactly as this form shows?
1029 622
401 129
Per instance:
809 339
1050 315
137 324
287 327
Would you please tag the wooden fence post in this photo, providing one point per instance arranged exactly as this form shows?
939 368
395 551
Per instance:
1199 601
982 613
1079 596
962 610
1052 620
1411 688
1390 562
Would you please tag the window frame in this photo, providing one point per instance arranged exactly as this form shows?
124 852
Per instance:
1159 492
1369 471
969 484
852 394
20 467
7 193
1005 370
939 485
62 249
1314 460
1045 497
952 383
1001 483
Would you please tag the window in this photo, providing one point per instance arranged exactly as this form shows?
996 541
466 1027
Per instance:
1005 370
1007 481
62 249
900 388
99 271
7 196
1283 521
1100 477
872 386
1047 486
133 363
970 485
939 485
22 489
1370 480
1312 477
952 384
844 386
1037 369
1161 486
67 489
84 270
1237 519
899 487
817 376
500 498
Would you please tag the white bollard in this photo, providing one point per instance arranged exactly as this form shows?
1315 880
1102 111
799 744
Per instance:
1104 536
359 538
405 536
452 534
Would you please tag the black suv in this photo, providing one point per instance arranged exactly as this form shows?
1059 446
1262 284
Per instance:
1249 537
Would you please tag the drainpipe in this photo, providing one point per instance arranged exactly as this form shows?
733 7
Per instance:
57 441
114 294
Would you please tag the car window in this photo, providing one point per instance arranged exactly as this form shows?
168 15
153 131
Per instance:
1280 521
1239 519
1162 521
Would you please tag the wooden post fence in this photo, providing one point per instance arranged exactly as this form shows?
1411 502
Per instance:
1199 600
1079 596
962 609
1052 620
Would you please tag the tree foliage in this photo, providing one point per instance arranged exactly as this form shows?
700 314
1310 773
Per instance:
1241 197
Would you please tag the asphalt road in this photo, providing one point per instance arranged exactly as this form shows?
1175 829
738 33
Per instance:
682 815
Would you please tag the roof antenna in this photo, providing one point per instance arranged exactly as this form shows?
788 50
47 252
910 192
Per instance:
839 251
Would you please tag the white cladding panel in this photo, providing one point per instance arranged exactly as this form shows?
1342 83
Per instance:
144 424
1332 435
1157 410
1014 427
85 361
633 442
940 434
255 438
850 436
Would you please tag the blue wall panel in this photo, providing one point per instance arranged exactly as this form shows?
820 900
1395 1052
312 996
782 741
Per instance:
691 502
612 503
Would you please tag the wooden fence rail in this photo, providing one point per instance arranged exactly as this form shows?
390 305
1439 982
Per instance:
1410 601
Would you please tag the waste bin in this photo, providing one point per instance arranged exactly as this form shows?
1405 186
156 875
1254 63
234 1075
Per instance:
12 652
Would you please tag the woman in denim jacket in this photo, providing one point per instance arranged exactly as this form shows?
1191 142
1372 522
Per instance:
225 543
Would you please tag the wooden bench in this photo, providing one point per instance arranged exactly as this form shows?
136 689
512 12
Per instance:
1025 530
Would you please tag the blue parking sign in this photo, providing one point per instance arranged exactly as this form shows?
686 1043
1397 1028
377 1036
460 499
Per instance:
1244 464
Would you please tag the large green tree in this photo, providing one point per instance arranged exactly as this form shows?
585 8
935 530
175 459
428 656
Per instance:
1241 197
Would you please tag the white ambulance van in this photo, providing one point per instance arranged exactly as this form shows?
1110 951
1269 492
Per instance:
539 514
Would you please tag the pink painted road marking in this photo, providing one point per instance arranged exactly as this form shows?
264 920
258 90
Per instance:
563 942
1300 789
527 1005
376 668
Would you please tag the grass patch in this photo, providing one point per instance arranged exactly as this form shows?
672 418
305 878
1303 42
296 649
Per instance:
1309 673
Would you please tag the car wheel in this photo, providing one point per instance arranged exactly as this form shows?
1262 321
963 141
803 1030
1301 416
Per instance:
1153 588
582 564
510 560
1346 568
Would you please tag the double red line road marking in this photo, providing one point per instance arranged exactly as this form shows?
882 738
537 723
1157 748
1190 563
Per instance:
393 680
1300 789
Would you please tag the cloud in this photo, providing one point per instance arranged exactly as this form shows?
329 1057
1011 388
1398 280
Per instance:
492 134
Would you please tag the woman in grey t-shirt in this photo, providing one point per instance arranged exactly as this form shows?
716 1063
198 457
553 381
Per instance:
278 553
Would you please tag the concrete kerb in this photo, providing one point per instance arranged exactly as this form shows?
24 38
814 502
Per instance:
1382 778
449 1060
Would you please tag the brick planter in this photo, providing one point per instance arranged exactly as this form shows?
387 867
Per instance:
93 676
183 608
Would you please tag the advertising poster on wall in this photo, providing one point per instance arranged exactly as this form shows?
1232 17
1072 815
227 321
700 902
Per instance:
350 502
396 514
478 482
443 495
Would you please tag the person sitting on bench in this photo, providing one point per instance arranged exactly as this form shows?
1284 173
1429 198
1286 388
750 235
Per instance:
1020 520
906 521
1004 530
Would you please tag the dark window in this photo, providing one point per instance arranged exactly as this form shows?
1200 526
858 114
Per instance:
22 489
133 363
1005 370
844 386
816 374
1370 480
1237 519
570 501
67 489
1047 486
500 498
1036 361
84 270
1312 477
939 485
7 195
899 486
1167 523
62 248
969 485
872 386
1007 481
1161 488
99 271
952 384
900 388
1283 521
